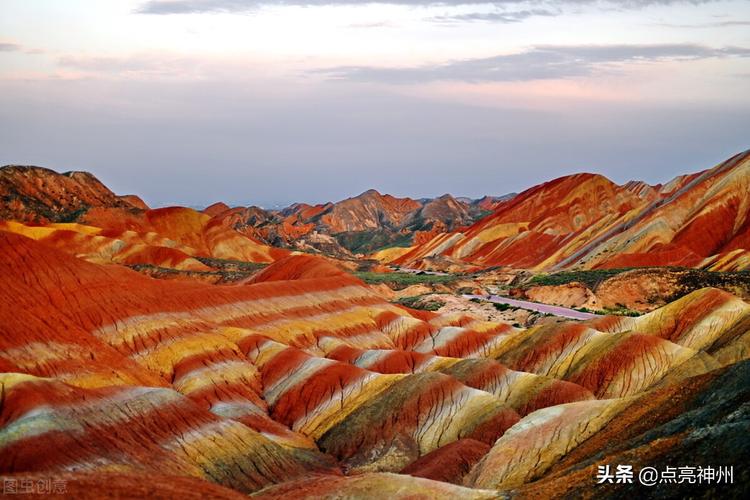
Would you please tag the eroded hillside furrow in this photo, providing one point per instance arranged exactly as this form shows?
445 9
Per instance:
306 378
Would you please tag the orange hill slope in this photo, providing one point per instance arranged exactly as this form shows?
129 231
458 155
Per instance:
107 247
77 213
42 195
319 386
209 237
297 267
587 221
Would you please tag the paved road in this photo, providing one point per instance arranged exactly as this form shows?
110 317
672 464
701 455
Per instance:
534 306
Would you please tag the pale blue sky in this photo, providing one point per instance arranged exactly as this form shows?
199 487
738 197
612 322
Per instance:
275 101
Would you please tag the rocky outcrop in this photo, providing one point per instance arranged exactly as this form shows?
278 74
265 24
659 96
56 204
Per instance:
36 194
573 295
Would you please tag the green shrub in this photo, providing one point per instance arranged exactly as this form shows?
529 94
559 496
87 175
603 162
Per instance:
402 280
591 278
416 302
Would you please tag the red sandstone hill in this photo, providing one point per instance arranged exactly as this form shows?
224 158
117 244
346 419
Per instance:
298 267
307 383
303 382
585 220
42 195
359 224
75 212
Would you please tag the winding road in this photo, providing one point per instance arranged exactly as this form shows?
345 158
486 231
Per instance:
535 306
563 312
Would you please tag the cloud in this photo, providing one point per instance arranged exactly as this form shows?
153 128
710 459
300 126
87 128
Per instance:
720 24
200 6
542 62
9 47
159 140
374 24
504 17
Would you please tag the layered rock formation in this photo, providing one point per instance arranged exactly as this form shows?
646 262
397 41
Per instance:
35 194
587 221
304 381
76 213
359 224
301 380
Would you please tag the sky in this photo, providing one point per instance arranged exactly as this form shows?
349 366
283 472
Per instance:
269 102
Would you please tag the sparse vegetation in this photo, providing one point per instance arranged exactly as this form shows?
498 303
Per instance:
591 277
619 311
400 280
226 271
370 241
737 283
232 265
418 302
688 279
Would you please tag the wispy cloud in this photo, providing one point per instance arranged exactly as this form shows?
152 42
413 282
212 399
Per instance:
720 24
198 6
9 47
543 62
503 17
374 24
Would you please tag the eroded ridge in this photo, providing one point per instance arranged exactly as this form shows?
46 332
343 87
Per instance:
304 379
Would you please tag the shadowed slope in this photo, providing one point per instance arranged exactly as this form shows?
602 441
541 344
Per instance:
449 463
42 195
702 422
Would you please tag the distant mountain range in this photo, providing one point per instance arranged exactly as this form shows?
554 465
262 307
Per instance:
578 221
357 225
299 380
360 224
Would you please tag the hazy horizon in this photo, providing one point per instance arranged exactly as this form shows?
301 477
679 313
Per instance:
271 102
281 205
